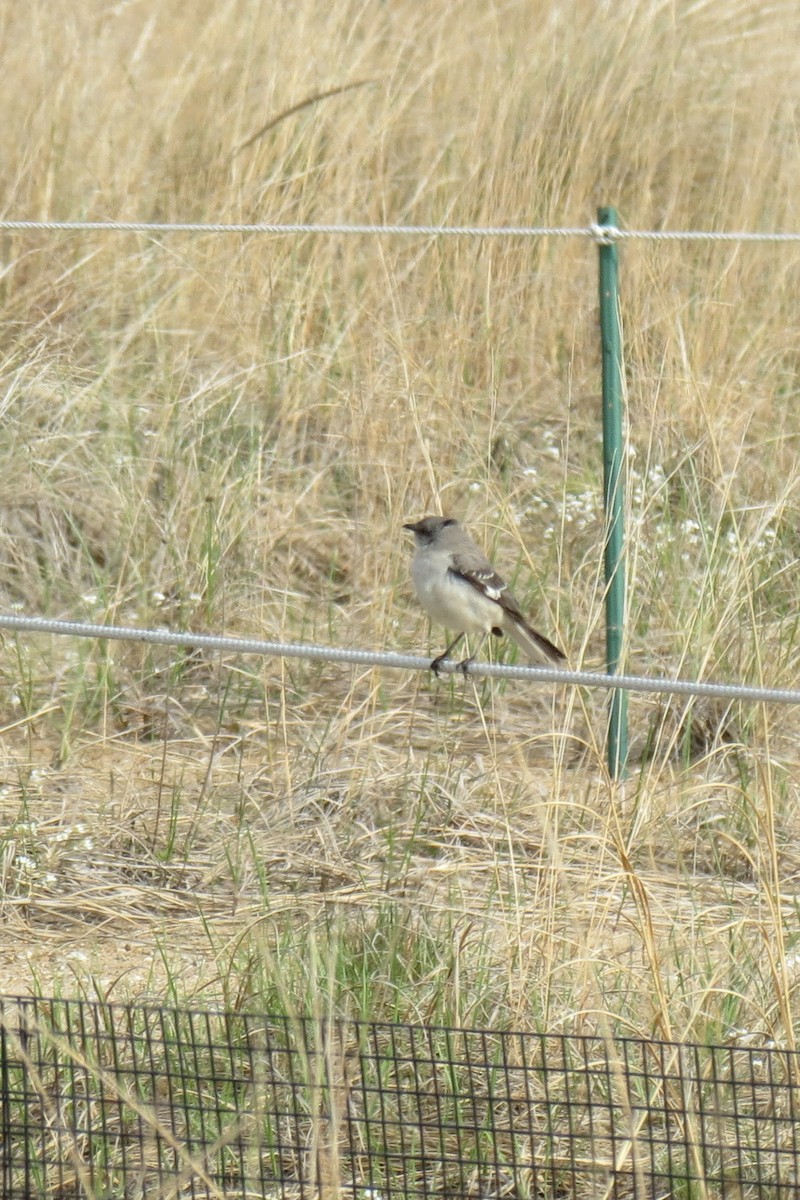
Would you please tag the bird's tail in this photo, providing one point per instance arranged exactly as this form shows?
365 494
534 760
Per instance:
532 643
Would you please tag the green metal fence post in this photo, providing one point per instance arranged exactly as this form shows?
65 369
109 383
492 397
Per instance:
613 473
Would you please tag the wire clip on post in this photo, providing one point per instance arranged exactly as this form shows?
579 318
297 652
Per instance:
605 235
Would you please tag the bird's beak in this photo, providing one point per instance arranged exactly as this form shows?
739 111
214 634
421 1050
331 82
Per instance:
411 526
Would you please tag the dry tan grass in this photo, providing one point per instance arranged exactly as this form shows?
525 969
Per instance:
226 433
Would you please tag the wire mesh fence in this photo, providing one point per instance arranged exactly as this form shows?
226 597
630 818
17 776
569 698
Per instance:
107 1100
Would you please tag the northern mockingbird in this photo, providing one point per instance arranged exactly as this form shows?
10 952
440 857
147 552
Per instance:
459 587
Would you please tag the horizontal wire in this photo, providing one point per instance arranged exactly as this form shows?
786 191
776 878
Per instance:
603 232
598 233
295 227
382 658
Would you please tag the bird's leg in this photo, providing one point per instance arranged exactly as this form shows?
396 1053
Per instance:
466 662
437 662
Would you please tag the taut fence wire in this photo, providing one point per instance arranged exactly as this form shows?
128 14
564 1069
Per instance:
384 658
109 1100
596 233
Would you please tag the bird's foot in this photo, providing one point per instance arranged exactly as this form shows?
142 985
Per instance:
463 666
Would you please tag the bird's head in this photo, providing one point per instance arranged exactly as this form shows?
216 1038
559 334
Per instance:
427 528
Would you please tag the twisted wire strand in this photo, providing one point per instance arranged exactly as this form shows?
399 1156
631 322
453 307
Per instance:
381 658
597 233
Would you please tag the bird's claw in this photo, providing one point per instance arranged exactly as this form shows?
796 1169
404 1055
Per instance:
463 666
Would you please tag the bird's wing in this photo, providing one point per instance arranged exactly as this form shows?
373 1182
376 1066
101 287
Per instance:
484 578
480 573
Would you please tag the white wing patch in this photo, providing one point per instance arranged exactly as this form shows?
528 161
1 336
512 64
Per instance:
490 582
485 580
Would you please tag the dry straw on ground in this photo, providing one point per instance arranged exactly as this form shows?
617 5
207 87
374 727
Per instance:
226 433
